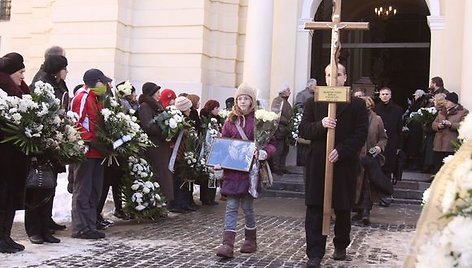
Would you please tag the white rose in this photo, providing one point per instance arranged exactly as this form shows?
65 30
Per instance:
172 123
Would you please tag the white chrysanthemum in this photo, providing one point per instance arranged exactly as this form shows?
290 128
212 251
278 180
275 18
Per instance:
135 187
156 185
448 158
459 233
426 196
106 114
172 123
465 129
146 190
434 253
16 118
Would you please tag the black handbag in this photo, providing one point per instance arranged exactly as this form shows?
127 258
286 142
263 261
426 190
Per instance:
376 176
41 176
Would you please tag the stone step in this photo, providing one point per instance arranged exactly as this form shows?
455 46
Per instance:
408 194
291 185
283 193
406 201
412 185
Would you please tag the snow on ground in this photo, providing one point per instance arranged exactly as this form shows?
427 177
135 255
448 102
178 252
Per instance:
35 254
61 211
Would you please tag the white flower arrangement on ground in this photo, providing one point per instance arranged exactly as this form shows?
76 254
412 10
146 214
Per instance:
448 241
38 125
142 195
171 121
191 167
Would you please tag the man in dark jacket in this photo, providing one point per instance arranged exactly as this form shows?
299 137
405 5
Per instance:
351 125
436 86
391 115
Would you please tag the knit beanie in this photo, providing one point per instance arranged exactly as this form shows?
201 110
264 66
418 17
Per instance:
166 96
150 88
246 89
11 63
194 99
54 64
452 97
183 103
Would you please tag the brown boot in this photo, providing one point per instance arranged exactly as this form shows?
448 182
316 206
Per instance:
249 245
226 249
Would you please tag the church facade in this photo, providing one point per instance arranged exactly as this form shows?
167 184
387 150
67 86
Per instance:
209 47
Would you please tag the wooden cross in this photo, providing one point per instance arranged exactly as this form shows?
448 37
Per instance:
332 94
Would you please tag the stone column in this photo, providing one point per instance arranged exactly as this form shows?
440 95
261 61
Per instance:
258 47
466 84
303 57
437 58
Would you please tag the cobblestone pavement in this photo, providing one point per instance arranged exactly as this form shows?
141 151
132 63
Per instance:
191 240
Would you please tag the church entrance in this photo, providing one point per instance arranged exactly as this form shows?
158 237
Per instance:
395 52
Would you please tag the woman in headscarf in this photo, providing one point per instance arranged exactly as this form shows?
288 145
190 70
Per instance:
150 106
13 162
39 202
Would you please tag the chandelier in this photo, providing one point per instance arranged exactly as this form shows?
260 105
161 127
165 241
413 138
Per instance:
385 12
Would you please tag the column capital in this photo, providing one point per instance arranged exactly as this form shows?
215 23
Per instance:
436 22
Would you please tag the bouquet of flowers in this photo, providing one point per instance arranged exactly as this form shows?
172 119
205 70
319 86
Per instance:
424 116
171 121
121 131
142 195
37 125
293 125
224 114
266 124
444 240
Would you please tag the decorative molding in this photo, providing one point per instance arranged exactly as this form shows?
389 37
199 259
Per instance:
436 22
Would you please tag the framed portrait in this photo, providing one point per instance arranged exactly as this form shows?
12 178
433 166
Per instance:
232 154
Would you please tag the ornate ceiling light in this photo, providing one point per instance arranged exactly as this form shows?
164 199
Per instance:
385 12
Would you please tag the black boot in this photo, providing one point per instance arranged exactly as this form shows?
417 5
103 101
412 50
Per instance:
365 216
5 246
10 216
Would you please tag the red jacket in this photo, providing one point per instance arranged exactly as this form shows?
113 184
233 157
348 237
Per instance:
88 107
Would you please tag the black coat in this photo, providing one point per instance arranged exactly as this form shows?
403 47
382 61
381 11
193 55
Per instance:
391 115
14 164
351 134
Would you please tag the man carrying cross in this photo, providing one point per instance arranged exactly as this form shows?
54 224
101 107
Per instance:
351 124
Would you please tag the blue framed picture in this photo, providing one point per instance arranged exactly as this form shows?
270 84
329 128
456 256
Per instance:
232 154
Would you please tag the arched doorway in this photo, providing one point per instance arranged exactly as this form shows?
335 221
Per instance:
395 52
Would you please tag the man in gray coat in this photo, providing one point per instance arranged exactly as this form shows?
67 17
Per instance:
281 135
